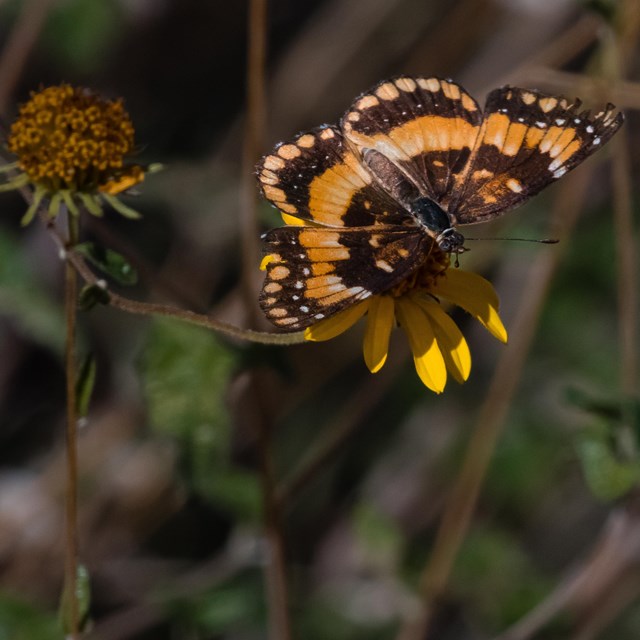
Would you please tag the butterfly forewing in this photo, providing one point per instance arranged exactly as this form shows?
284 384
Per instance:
317 178
528 140
424 127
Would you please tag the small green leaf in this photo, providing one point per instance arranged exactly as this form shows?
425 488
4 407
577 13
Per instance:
83 596
109 262
92 295
85 384
607 477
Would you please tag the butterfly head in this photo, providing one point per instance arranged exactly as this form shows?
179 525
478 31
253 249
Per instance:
451 241
437 224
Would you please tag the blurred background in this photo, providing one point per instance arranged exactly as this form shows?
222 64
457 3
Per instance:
173 452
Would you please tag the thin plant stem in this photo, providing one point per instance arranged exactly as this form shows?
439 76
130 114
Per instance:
622 44
253 145
277 589
464 495
168 311
72 553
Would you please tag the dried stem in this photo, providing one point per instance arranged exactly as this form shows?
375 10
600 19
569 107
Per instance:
169 311
277 590
71 564
621 46
253 145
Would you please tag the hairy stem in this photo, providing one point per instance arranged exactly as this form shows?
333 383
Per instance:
71 564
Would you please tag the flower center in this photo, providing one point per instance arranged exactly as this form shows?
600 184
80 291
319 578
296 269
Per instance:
424 278
70 138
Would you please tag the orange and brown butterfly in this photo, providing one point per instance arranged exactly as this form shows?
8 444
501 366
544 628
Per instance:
411 160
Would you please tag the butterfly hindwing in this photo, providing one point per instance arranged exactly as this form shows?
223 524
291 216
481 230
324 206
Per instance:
317 178
528 140
314 272
419 129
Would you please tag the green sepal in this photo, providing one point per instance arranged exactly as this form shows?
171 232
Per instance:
67 197
85 383
54 204
19 181
10 166
38 195
91 204
109 262
121 208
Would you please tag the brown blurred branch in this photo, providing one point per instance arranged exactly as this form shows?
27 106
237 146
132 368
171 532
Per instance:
19 45
275 568
253 147
596 590
621 47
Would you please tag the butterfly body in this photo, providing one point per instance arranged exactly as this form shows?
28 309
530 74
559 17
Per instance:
411 160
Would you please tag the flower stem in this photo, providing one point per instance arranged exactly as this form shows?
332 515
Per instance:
71 564
464 495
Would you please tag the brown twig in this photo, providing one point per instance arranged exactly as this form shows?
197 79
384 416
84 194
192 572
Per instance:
277 590
621 48
253 146
169 311
593 591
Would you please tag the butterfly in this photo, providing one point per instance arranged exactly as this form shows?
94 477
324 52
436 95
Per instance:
410 161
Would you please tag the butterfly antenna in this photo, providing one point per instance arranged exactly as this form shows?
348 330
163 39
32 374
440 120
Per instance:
537 240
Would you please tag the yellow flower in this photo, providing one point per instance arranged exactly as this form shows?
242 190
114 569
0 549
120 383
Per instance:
71 145
437 344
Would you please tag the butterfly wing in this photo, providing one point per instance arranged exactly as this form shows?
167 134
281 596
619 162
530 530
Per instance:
416 135
314 272
317 178
528 140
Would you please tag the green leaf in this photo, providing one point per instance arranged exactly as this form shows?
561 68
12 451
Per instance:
84 385
607 477
186 374
109 262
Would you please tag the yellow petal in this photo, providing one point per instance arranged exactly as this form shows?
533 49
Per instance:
426 352
475 295
454 347
292 220
335 325
380 319
265 261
